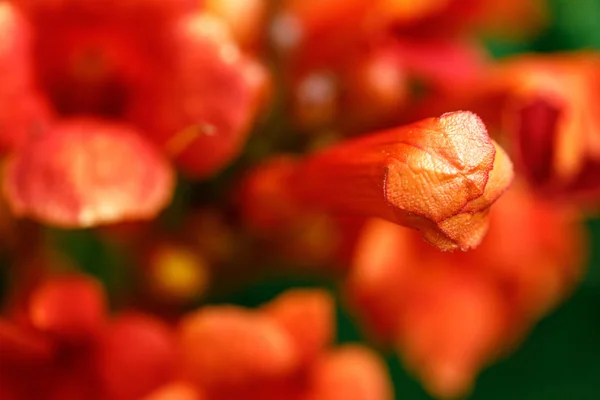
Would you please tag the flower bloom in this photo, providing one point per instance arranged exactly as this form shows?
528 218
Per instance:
130 83
551 117
449 315
279 351
82 186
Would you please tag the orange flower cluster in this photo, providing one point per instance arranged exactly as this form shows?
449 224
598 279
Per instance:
352 63
448 315
66 349
368 117
170 74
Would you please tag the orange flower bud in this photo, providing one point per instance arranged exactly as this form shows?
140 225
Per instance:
85 173
349 373
224 346
439 175
70 308
307 315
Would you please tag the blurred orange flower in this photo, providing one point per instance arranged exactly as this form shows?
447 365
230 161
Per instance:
552 119
110 110
66 178
74 350
168 70
449 315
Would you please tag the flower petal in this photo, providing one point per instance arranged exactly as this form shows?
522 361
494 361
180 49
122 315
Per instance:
350 373
87 172
450 314
308 317
229 346
202 109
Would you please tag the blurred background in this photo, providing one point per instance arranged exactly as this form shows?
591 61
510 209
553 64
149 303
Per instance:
559 359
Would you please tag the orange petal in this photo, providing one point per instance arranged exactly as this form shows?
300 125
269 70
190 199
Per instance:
552 117
202 110
85 173
350 373
534 249
230 346
381 272
15 54
452 313
308 316
453 324
23 111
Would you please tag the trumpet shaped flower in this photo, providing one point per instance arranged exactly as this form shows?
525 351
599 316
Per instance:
438 175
